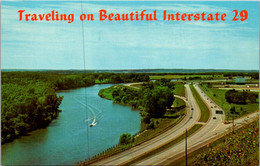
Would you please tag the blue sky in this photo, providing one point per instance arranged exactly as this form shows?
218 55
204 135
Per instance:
129 45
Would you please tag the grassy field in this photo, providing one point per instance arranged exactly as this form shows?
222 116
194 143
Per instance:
219 98
241 148
156 77
204 109
107 92
179 90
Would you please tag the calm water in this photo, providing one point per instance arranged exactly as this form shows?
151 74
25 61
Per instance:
69 138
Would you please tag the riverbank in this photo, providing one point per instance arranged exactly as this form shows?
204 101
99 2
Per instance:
69 138
170 119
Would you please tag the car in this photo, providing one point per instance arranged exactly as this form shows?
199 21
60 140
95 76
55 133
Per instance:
192 109
214 118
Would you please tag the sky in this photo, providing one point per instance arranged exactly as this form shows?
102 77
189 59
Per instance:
129 44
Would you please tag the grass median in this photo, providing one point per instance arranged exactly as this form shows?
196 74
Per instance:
203 108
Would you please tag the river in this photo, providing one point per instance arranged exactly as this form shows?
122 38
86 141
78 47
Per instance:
69 139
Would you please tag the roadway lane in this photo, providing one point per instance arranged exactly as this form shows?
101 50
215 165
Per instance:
213 129
166 137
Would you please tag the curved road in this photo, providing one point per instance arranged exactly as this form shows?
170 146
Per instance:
212 130
168 136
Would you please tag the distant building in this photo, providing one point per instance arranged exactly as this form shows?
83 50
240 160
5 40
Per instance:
240 80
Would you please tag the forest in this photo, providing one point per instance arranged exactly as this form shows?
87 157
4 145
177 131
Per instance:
152 98
29 99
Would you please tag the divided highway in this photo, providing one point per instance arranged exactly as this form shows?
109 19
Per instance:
211 130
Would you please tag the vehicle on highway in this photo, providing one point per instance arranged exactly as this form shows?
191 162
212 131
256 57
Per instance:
214 118
192 109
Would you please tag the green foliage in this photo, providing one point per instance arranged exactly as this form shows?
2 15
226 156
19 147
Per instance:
122 77
29 100
156 100
221 101
179 89
233 96
28 103
152 98
74 81
125 139
240 148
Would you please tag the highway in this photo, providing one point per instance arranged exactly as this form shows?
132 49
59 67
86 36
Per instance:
166 137
211 130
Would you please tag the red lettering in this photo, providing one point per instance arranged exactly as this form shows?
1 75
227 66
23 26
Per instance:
48 17
223 16
27 17
164 15
41 16
102 15
196 17
217 14
20 14
210 17
183 16
189 15
177 16
203 16
82 17
110 17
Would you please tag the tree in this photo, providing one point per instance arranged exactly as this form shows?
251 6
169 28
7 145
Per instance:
157 100
125 139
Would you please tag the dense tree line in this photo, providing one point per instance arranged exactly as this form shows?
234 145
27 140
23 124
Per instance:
27 104
254 75
233 96
122 77
29 100
153 98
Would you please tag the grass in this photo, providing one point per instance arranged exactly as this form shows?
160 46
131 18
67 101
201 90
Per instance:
203 108
219 98
179 90
242 148
107 92
165 146
156 77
